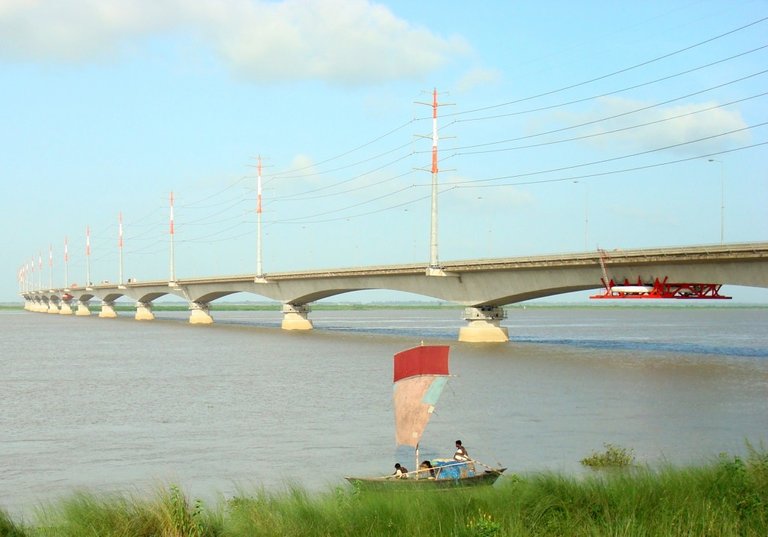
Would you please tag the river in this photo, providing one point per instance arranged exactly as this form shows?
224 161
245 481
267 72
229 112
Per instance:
120 405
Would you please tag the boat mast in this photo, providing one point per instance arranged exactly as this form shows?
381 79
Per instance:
417 461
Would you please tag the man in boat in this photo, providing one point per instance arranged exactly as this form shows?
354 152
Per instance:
461 455
461 452
401 472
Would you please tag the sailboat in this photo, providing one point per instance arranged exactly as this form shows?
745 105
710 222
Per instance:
420 374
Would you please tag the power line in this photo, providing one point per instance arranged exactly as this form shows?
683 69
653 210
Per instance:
614 73
610 172
613 159
605 133
615 116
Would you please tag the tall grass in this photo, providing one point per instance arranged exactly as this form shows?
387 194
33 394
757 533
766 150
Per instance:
727 497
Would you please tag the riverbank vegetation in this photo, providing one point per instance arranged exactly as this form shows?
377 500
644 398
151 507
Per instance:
613 457
726 497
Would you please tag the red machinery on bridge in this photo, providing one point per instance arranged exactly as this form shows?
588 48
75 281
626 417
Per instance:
660 289
657 289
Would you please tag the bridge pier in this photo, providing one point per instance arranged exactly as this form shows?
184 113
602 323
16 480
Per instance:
295 317
199 313
484 325
82 308
107 310
66 307
144 311
53 307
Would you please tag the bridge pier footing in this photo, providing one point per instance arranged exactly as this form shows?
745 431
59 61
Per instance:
66 307
82 309
295 317
107 310
53 307
199 313
484 325
144 311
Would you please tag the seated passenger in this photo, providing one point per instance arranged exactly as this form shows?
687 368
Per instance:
401 472
426 465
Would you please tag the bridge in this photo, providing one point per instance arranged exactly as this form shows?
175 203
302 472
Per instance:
483 286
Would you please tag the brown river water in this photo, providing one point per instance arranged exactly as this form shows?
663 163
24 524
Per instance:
119 405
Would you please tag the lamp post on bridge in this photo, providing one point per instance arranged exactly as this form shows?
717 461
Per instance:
50 266
586 214
722 198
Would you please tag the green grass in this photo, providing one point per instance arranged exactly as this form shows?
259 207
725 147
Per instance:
727 497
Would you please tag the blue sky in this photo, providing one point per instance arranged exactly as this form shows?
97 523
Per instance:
563 127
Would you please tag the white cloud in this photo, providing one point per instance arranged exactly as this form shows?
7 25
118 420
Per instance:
477 77
342 41
74 30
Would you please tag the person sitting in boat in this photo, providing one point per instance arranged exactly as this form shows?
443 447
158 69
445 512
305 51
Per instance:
401 472
461 452
426 465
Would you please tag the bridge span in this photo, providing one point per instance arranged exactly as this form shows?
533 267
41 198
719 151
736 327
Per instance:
483 286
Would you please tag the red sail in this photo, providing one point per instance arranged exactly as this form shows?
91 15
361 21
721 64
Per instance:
420 375
424 360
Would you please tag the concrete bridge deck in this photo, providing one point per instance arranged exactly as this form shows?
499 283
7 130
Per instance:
483 286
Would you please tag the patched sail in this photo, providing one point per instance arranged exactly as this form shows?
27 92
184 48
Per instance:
420 375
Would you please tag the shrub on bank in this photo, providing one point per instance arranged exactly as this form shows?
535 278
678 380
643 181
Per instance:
613 457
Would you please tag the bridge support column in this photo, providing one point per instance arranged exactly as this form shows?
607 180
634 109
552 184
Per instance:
484 325
199 313
295 317
82 308
66 307
144 311
53 307
107 310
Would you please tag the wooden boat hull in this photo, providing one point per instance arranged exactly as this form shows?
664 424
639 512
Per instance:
486 478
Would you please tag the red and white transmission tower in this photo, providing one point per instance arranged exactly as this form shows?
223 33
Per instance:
259 271
434 263
66 264
120 246
87 256
172 279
